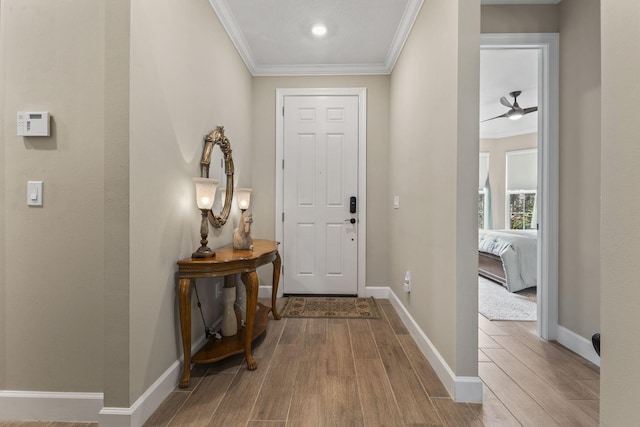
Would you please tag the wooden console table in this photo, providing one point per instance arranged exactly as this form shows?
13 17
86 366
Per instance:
228 261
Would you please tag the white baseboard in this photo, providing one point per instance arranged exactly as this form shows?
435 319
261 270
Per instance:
146 404
381 292
578 344
264 291
50 406
151 399
461 389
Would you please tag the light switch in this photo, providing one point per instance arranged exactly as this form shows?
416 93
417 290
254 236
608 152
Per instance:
396 202
34 193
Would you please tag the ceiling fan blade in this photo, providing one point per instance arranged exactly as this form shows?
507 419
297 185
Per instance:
505 102
496 117
530 110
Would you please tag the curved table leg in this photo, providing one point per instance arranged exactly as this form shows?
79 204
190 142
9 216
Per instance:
184 303
277 265
250 281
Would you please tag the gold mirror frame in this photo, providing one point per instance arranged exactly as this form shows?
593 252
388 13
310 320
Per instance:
216 137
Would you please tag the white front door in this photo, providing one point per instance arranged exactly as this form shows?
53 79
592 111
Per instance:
320 178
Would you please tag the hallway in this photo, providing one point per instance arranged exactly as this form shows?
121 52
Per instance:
316 372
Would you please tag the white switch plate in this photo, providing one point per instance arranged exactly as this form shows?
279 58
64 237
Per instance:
396 202
34 193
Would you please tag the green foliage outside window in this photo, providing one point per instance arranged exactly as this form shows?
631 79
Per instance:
521 210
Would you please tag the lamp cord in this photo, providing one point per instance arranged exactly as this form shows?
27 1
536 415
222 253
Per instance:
207 330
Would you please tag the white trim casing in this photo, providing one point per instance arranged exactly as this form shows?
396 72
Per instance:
548 173
361 93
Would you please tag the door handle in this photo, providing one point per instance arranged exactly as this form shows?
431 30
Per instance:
351 220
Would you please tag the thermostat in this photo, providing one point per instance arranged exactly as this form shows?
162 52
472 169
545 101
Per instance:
33 123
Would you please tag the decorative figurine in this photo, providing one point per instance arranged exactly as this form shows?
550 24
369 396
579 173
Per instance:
242 235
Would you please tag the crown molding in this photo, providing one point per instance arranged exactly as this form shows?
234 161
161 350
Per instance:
233 30
402 33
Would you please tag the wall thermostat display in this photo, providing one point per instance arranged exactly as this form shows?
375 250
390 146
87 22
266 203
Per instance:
33 123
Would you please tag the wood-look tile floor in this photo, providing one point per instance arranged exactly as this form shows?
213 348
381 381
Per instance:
339 372
319 372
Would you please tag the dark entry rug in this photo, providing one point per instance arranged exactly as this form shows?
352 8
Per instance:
331 307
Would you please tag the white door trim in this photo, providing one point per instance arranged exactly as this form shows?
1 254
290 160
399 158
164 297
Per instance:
361 93
548 166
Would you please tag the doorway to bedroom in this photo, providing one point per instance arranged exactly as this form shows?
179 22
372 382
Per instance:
517 182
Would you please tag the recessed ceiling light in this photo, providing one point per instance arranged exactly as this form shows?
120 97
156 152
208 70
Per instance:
319 30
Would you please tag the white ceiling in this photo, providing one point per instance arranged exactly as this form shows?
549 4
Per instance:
503 71
273 37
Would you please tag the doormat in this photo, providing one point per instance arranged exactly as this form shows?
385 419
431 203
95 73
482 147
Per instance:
331 307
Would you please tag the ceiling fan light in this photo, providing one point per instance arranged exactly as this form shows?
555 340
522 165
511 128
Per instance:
319 30
515 114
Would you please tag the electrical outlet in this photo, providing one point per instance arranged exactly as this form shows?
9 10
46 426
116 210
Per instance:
407 281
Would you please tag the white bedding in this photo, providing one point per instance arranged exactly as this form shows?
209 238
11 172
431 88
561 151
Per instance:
518 251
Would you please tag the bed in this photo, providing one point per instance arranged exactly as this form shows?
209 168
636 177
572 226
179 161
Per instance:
508 257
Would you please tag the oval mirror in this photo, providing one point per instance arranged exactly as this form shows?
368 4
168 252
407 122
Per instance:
223 160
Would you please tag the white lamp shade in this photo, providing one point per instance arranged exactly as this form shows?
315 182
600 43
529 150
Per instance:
205 192
244 197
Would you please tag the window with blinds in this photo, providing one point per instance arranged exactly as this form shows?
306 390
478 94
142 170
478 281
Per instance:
522 186
483 192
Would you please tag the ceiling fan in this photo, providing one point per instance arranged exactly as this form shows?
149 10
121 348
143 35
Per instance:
516 112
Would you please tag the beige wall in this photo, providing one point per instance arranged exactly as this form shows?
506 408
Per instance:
519 19
434 170
577 22
116 204
620 240
52 269
579 237
263 160
497 149
2 209
186 78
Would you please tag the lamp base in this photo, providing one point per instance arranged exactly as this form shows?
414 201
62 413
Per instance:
203 252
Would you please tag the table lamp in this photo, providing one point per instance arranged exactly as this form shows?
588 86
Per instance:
205 195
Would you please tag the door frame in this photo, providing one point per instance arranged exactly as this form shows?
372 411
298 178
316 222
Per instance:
548 166
361 93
